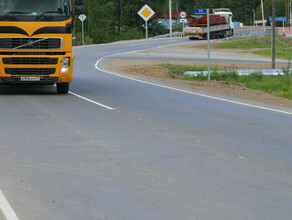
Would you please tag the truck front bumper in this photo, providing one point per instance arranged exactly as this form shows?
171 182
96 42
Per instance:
48 67
17 80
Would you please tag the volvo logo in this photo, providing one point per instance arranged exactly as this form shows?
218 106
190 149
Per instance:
30 43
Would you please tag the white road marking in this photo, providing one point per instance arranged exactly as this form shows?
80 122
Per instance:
188 92
241 157
91 101
6 208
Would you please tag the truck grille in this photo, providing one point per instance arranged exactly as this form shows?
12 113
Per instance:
27 43
30 71
30 60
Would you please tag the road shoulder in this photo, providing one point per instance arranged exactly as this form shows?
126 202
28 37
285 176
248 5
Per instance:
157 72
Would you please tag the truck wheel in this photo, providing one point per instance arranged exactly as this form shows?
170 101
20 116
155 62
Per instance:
63 88
224 34
231 33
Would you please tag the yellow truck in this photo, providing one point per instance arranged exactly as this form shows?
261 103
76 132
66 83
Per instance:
36 42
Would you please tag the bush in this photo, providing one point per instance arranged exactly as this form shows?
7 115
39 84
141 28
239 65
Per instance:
87 39
286 70
256 76
227 75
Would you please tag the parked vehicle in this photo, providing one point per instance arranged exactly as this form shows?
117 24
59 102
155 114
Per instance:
221 25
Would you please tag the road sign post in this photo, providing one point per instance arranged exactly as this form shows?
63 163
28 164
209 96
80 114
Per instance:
146 13
82 18
205 11
183 15
209 61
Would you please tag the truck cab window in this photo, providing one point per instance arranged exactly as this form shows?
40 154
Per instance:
23 9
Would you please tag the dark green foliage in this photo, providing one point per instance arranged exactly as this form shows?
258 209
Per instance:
112 20
256 76
228 75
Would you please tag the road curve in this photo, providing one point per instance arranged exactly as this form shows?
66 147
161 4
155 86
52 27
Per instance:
116 148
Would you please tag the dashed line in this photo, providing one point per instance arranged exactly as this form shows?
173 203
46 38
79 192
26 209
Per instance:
6 208
91 101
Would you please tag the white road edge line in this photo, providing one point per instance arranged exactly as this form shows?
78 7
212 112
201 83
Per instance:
188 92
6 208
91 101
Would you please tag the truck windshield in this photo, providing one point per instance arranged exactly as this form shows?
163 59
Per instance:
34 9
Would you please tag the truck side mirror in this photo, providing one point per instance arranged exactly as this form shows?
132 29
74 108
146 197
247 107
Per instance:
78 2
79 10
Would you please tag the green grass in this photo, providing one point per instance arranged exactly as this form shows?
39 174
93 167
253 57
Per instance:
255 43
280 53
283 45
278 85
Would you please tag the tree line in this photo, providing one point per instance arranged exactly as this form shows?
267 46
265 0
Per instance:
109 20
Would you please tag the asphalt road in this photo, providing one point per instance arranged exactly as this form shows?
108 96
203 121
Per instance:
123 148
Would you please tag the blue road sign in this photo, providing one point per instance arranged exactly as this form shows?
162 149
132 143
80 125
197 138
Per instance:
202 11
279 18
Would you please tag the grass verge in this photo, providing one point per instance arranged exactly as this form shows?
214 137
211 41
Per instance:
256 42
280 53
278 85
262 44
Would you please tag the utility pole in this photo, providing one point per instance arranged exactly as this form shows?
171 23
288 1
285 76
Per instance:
73 23
290 14
286 13
121 15
170 17
253 23
274 34
88 28
263 17
208 37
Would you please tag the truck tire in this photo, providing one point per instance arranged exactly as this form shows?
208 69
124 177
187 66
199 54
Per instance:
212 35
224 34
62 88
231 32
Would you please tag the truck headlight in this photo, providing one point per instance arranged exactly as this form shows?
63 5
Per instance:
65 65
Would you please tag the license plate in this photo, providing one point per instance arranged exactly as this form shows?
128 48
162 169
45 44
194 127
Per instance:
30 78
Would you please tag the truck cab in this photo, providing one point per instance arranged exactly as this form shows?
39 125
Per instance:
226 13
36 42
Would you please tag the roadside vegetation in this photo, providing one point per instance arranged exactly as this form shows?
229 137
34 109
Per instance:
280 85
115 20
260 45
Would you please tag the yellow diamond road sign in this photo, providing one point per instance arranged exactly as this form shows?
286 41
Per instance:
146 12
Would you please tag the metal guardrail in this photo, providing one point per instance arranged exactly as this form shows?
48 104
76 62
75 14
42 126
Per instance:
240 35
244 32
246 35
176 34
274 72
